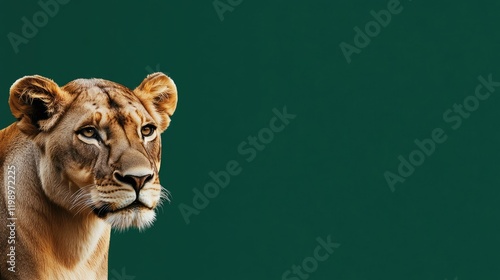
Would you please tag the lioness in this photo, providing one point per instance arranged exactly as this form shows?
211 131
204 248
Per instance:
79 160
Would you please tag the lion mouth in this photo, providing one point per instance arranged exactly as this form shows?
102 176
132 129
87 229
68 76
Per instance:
104 210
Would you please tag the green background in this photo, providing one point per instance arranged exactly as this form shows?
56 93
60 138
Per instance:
324 174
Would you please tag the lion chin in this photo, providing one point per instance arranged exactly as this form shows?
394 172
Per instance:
134 215
139 217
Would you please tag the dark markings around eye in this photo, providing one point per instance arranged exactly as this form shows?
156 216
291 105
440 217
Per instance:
89 132
148 130
108 132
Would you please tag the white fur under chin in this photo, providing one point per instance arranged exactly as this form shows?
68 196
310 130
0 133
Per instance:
125 219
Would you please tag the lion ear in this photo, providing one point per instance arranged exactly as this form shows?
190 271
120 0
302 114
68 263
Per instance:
37 103
159 91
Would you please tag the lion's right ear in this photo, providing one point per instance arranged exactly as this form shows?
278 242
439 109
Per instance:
159 91
37 103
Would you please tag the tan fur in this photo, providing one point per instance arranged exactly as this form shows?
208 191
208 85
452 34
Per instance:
70 189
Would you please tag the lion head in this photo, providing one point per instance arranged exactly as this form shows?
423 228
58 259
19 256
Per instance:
98 144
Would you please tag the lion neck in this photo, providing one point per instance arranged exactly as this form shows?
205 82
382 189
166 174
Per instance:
57 241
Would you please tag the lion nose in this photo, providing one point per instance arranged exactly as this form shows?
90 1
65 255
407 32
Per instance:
137 182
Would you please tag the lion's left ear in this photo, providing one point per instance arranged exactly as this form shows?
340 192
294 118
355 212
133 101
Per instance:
158 91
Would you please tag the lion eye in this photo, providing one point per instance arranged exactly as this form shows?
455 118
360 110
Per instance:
147 130
88 132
